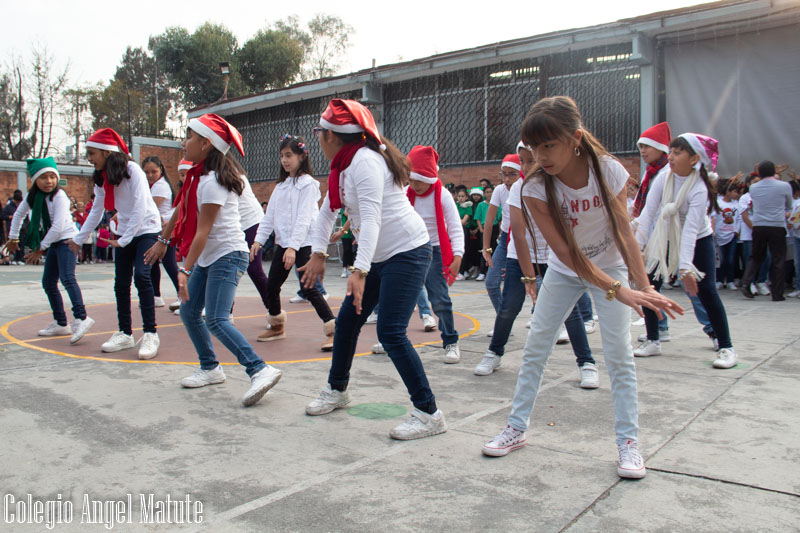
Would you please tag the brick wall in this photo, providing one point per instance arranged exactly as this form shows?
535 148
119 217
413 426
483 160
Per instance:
169 156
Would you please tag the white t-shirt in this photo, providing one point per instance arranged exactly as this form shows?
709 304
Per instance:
589 221
726 221
250 211
226 234
424 205
161 189
746 204
793 223
500 200
514 200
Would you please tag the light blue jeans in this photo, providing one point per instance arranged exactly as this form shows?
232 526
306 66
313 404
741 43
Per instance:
214 288
555 301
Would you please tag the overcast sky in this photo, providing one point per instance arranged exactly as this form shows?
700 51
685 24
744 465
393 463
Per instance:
93 36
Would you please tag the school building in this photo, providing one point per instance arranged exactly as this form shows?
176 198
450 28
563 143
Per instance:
727 69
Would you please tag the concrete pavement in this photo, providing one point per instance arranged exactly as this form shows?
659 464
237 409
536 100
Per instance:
722 446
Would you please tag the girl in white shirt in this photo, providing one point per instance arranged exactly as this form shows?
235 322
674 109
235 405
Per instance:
292 209
577 197
161 191
682 241
120 184
207 230
727 224
367 178
48 233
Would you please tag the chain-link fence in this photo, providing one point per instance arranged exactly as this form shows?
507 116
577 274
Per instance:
470 116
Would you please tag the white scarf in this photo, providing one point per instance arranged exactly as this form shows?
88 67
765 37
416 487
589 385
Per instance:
662 253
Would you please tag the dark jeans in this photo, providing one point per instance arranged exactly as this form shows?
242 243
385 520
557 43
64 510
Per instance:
775 239
727 262
255 269
59 264
129 264
349 251
705 261
392 287
170 265
278 275
585 307
513 300
436 287
747 253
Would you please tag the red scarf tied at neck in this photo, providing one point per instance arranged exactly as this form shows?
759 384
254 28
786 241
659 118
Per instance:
649 174
340 162
108 202
186 202
441 228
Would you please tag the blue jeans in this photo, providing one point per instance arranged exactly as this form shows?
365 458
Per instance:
585 307
727 258
556 300
129 263
704 260
393 287
436 287
59 263
423 305
513 300
494 277
214 288
796 263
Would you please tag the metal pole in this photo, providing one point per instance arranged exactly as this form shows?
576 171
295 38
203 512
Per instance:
129 116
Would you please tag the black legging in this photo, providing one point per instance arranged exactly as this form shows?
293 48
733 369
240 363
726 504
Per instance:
277 276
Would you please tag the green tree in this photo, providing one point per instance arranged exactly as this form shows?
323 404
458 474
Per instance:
14 144
271 59
328 44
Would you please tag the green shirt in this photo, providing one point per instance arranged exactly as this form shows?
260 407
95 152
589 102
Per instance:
471 224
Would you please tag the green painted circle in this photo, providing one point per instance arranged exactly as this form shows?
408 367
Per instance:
377 411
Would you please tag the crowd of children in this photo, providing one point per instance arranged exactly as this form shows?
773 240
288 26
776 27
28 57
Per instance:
565 225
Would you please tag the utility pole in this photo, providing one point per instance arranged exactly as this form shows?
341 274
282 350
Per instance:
155 89
127 92
77 127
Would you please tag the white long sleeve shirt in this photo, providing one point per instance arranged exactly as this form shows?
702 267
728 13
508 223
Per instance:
426 208
695 222
291 212
137 213
381 217
61 226
250 211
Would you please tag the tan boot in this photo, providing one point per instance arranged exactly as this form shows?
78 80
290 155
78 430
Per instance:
328 329
276 328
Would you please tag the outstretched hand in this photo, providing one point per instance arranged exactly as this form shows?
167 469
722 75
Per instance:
651 299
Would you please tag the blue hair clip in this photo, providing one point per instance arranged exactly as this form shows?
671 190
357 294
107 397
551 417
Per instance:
286 137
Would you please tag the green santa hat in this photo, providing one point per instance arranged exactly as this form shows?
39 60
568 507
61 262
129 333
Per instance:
37 167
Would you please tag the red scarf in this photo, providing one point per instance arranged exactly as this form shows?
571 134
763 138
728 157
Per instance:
340 162
108 203
441 228
186 226
649 174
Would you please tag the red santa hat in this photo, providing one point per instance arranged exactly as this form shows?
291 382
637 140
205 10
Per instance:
219 131
349 116
512 161
185 165
424 166
657 136
107 139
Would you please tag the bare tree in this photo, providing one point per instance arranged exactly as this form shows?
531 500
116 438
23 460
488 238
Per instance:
330 39
47 83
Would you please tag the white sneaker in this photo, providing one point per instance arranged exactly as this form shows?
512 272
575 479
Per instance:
159 301
668 286
506 442
79 328
638 322
149 346
230 317
201 378
719 285
490 333
590 378
763 290
325 296
119 341
345 272
460 277
753 288
174 306
328 401
663 336
260 384
452 354
726 358
372 318
177 312
732 286
54 329
591 326
490 362
378 348
563 336
631 464
647 349
794 294
428 322
420 425
297 299
480 277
